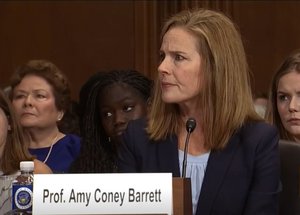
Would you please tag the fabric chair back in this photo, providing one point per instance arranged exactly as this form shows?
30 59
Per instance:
290 169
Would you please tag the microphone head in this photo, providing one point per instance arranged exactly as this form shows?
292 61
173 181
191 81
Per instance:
191 125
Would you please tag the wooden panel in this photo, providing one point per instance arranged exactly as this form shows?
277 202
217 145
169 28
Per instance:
80 37
270 31
182 196
146 37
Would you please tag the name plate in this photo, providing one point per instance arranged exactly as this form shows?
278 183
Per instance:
133 193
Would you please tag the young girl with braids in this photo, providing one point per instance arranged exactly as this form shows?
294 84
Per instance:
108 101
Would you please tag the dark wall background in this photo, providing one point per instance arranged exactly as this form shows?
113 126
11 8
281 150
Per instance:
82 37
270 31
79 37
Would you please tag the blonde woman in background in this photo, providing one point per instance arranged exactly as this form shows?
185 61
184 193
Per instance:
284 109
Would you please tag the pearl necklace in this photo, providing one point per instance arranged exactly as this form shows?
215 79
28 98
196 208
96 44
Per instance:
50 150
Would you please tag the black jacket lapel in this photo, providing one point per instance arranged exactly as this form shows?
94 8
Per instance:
217 166
167 155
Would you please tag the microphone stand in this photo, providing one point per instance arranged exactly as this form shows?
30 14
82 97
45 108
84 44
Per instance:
190 127
183 175
182 194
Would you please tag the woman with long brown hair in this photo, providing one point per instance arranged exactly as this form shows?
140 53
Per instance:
232 158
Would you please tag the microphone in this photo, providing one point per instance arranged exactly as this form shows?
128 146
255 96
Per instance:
190 127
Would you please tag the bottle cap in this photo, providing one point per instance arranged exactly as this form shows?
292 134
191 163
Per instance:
26 165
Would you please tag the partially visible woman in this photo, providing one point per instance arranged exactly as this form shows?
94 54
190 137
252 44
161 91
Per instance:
13 147
13 150
284 108
108 101
40 96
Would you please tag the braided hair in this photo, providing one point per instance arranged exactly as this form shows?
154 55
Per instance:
97 153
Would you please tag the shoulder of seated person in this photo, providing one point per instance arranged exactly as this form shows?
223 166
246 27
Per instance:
41 168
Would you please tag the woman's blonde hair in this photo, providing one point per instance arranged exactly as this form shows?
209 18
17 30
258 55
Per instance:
226 96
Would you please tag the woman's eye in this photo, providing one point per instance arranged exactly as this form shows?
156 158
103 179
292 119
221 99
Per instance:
128 108
40 96
282 98
178 57
107 114
161 56
19 96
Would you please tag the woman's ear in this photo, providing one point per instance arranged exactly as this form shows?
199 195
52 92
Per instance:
8 123
148 102
60 115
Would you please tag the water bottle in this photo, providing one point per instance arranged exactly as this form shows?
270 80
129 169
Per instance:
22 189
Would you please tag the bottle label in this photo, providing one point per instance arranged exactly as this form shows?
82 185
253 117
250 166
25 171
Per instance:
22 197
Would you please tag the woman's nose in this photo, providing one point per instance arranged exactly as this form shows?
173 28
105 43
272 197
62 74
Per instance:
294 105
28 101
163 67
120 117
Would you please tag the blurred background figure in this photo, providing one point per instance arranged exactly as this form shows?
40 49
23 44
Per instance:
260 102
108 101
40 95
284 110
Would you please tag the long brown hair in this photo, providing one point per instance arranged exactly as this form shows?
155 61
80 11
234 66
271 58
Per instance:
15 148
226 97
